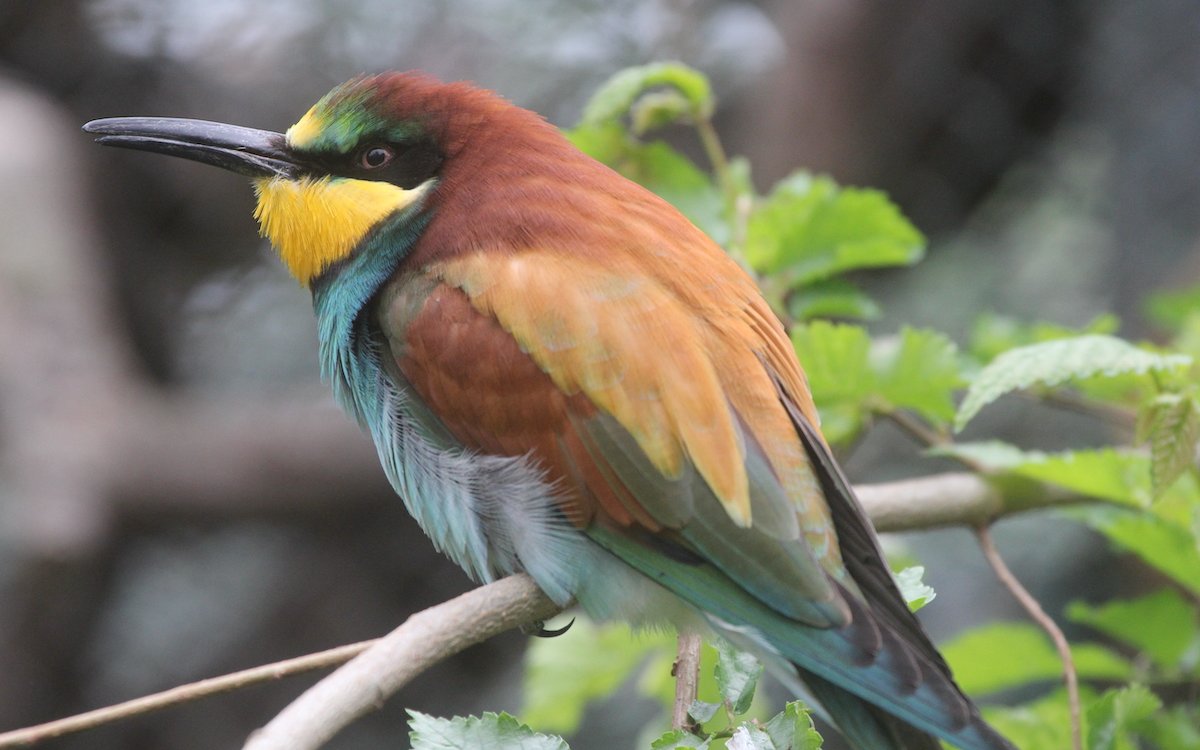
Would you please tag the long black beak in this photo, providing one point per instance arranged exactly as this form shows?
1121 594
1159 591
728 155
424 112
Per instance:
249 152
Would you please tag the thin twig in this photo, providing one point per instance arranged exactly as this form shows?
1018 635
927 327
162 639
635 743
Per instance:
917 429
182 694
425 639
927 436
687 677
1045 621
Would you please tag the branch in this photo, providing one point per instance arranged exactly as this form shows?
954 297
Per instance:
951 499
182 694
425 639
686 672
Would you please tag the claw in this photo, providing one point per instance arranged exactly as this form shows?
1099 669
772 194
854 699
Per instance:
538 629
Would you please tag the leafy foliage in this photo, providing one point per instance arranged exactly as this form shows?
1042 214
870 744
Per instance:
992 335
793 728
1040 724
915 591
918 372
737 675
488 732
853 377
1117 714
810 229
1005 655
563 677
622 94
1054 362
1172 310
1161 625
1171 425
1162 542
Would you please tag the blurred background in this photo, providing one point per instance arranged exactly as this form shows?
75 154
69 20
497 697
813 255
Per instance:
180 498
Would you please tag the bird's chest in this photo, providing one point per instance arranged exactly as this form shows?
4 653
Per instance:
490 511
484 388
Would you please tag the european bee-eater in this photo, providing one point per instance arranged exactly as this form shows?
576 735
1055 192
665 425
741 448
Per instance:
563 376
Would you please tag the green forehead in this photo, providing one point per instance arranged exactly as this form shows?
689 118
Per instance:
343 118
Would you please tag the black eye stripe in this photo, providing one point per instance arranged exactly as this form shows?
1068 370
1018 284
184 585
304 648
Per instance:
407 165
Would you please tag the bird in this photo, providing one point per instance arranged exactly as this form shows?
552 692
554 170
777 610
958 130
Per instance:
564 377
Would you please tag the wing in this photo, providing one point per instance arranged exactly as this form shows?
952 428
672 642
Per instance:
647 416
680 436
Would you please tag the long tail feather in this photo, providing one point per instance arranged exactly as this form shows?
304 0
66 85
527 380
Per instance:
863 724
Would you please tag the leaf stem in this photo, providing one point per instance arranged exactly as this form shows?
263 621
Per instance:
1119 417
927 436
717 157
1022 595
737 205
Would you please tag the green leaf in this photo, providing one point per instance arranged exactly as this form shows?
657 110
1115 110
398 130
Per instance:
831 298
1162 624
811 229
657 109
488 732
1171 424
1044 724
737 676
1188 339
993 334
1116 714
749 737
1176 728
1164 544
836 360
915 591
919 371
1053 362
792 728
1010 654
564 674
995 455
1109 474
703 711
677 738
619 93
606 142
1170 309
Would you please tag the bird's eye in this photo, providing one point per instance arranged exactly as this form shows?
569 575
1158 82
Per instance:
374 157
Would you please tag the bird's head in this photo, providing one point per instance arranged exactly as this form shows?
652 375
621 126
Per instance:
370 149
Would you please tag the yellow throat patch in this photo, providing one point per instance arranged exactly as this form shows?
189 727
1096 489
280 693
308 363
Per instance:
315 222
